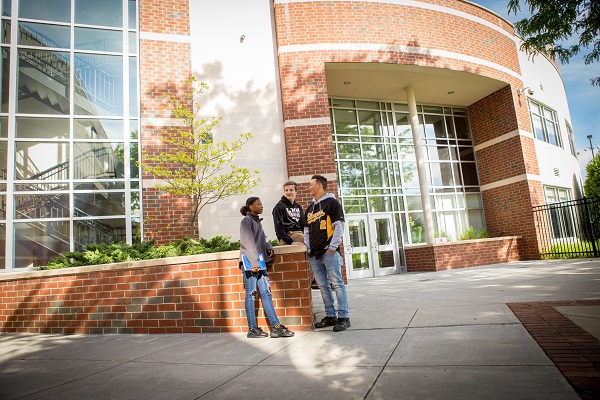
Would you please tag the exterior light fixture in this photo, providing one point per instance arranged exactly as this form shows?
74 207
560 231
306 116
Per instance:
242 38
346 82
530 92
450 92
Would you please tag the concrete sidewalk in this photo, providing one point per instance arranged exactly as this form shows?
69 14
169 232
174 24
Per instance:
443 335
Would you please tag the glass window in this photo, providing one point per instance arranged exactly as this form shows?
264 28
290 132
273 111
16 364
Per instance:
463 131
2 240
3 127
92 231
98 129
571 139
351 174
3 147
134 169
41 161
5 70
369 124
42 128
44 35
99 204
409 173
95 160
48 10
101 13
376 174
544 123
345 122
133 129
47 95
99 83
355 205
132 14
403 126
134 105
348 151
40 206
37 242
98 40
434 126
6 31
6 8
469 173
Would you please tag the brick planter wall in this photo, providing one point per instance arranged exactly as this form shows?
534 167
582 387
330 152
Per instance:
194 294
462 254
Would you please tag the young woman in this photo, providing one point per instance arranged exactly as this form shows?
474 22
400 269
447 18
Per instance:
252 243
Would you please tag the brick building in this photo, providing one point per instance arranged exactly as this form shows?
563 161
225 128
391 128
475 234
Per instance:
425 116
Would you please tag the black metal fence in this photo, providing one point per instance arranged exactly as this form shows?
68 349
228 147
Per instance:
569 229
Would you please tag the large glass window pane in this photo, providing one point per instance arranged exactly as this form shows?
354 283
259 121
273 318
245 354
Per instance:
552 130
98 40
345 122
6 6
348 151
469 172
374 151
5 70
376 173
133 43
409 172
3 147
103 13
351 174
355 205
41 161
132 14
476 219
37 242
417 230
466 154
134 169
5 31
42 128
49 10
93 231
369 124
538 128
95 160
44 35
462 128
43 82
99 85
2 212
434 126
403 129
441 174
34 206
474 201
99 204
381 204
134 104
98 129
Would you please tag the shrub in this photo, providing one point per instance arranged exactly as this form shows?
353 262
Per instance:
472 233
107 253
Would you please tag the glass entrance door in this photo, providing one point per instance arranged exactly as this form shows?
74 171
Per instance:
371 246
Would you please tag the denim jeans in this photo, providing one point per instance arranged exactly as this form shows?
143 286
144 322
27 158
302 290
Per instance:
251 281
329 269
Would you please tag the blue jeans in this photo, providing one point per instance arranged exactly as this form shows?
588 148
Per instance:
329 269
251 281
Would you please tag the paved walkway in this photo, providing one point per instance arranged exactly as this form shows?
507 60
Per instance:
444 335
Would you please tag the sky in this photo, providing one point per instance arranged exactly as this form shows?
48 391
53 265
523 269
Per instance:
583 98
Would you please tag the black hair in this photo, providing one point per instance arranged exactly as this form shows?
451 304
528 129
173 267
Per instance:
320 179
244 210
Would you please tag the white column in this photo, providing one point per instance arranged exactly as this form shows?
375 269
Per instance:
421 168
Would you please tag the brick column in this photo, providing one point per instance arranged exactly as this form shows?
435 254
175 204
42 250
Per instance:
165 63
508 168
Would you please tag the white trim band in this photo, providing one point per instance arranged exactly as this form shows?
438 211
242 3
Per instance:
395 48
292 123
163 37
307 178
502 138
162 122
509 181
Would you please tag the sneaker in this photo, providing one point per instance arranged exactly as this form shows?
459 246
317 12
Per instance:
342 325
256 333
281 331
313 285
327 321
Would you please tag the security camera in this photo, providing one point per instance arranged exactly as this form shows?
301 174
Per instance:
530 92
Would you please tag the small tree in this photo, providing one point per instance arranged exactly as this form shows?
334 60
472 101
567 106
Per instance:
558 20
194 166
592 180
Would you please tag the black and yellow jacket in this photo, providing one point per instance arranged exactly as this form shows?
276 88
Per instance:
324 225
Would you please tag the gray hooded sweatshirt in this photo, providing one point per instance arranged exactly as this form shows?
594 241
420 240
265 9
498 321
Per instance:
253 240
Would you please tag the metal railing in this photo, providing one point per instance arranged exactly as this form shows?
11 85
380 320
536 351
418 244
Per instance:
569 229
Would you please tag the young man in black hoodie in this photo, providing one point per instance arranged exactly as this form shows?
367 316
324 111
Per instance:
288 216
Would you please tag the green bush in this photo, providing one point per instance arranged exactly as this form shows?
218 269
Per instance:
472 233
107 253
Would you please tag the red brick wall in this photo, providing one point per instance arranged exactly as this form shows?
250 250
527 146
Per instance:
508 208
462 254
164 67
199 294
